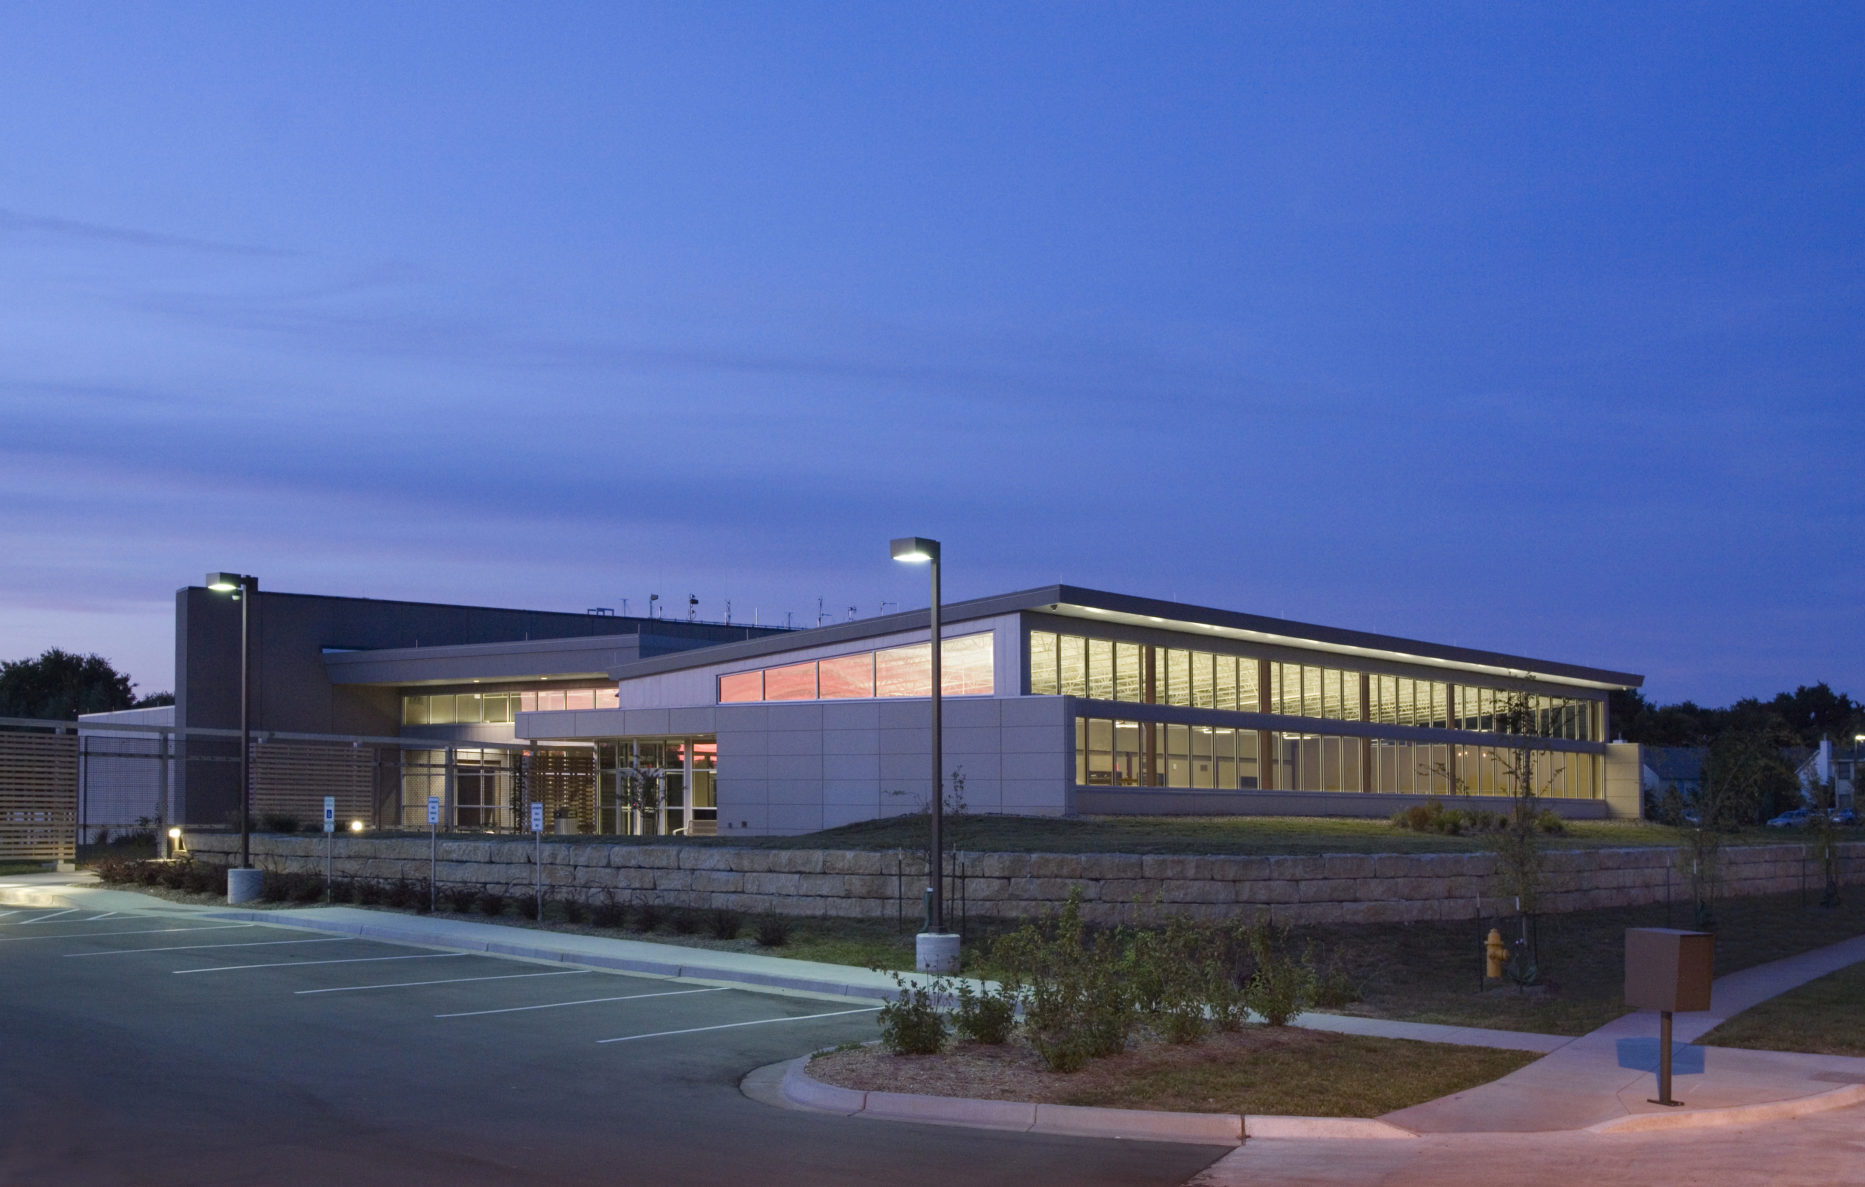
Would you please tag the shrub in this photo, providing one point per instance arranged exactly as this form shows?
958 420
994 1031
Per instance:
575 910
1078 1003
912 1023
1283 984
988 1015
1335 987
1171 973
648 915
401 894
114 870
306 888
771 930
278 822
1549 821
369 892
609 913
457 899
683 921
724 923
491 903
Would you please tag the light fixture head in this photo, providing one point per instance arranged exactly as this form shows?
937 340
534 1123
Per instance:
174 834
356 826
225 582
914 549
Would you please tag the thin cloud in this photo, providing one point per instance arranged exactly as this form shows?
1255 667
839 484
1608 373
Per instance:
20 222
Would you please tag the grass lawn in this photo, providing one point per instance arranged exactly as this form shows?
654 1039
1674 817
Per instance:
1260 1069
1822 1017
24 867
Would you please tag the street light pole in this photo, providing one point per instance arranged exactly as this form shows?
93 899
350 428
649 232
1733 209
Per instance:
244 589
936 949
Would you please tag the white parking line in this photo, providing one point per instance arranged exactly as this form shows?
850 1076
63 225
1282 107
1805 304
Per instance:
293 964
95 918
4 914
53 915
141 931
448 981
188 947
588 1001
693 1030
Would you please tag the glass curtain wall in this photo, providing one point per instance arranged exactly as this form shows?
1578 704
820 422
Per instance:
658 786
1111 670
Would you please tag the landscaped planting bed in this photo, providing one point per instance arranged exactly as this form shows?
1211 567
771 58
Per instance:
1257 1069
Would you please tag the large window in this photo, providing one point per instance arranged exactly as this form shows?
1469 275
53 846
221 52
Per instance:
1113 753
966 670
1117 753
496 708
1112 670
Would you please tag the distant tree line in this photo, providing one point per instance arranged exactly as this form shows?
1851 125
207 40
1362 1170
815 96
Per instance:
59 685
1798 718
1753 746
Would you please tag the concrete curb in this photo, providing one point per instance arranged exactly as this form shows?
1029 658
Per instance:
1207 1129
696 971
1317 1128
1777 1110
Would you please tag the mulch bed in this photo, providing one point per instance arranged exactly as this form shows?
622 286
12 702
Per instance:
1259 1069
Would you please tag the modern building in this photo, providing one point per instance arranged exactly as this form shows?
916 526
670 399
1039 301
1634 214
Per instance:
1058 701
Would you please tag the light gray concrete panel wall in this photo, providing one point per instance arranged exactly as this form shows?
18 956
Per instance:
814 765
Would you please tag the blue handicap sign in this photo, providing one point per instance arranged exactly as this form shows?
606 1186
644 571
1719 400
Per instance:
1642 1055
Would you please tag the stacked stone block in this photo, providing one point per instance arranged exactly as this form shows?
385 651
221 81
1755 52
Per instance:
1325 888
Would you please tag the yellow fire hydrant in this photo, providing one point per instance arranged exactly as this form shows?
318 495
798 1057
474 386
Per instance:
1496 951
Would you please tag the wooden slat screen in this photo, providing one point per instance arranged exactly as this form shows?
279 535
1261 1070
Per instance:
38 796
292 778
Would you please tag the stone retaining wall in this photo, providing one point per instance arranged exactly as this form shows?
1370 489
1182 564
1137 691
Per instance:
1332 888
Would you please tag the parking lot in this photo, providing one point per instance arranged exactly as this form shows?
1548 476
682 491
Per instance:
152 1046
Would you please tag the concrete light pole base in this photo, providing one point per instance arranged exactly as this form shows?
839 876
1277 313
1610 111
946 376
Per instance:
935 952
243 885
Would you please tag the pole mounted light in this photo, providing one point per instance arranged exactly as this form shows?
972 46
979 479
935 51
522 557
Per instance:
242 588
937 951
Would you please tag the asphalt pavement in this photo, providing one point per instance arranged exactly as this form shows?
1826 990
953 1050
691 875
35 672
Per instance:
148 1044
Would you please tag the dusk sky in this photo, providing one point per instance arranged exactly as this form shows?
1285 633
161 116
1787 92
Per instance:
1529 328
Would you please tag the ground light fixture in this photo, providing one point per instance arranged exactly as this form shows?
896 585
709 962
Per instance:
242 588
935 950
356 826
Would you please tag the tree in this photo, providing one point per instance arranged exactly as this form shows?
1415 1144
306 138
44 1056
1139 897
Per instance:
60 685
1520 852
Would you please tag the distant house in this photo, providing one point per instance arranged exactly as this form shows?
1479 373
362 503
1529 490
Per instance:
1662 767
1825 763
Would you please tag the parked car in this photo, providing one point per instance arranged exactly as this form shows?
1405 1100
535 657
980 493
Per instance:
1844 816
1793 818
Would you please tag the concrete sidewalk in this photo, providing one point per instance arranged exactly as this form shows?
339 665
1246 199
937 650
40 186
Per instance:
1606 1078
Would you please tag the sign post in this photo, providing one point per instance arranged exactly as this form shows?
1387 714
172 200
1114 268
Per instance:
537 827
330 828
433 852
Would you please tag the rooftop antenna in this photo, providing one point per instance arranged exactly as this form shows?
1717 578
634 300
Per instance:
885 605
624 607
819 614
692 607
601 611
786 620
851 614
652 598
728 612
